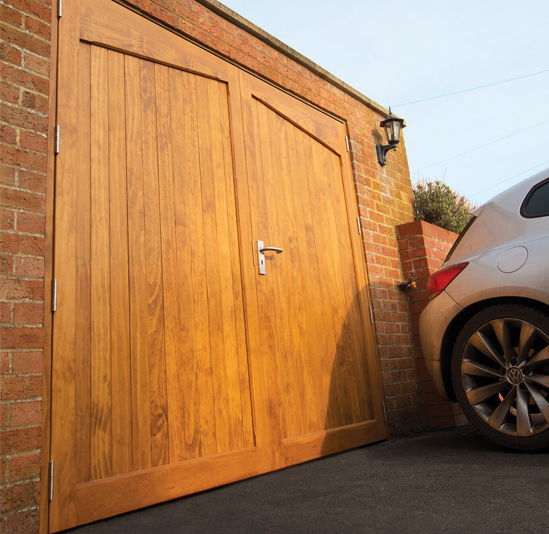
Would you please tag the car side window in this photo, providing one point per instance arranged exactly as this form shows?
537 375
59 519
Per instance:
536 203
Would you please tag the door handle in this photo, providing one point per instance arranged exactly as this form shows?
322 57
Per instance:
274 249
261 249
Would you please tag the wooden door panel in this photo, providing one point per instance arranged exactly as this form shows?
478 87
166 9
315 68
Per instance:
109 24
316 345
160 367
182 216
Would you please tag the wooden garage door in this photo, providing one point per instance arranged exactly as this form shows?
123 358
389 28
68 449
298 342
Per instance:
177 367
316 342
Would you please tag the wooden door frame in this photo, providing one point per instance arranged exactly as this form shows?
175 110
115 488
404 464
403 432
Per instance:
48 279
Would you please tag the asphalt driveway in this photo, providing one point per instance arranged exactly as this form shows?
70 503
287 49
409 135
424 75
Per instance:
446 481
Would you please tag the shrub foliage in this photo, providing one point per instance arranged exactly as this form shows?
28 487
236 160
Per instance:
436 203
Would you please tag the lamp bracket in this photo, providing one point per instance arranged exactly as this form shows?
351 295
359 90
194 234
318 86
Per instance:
382 152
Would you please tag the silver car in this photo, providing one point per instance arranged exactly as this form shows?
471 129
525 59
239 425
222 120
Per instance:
485 330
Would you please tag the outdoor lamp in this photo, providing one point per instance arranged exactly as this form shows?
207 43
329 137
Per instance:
392 126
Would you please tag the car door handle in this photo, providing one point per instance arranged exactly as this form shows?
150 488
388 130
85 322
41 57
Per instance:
261 249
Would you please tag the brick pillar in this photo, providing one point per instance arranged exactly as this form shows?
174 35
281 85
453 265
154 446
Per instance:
24 87
423 248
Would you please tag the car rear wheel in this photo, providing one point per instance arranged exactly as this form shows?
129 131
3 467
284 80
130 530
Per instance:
500 372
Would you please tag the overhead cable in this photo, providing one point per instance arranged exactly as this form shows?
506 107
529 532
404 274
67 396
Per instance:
481 146
471 89
507 179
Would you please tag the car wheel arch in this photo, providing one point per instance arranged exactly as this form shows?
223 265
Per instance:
460 320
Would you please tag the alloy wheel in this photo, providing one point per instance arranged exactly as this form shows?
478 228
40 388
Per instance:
505 376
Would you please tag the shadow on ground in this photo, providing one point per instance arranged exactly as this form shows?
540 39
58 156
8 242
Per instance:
447 481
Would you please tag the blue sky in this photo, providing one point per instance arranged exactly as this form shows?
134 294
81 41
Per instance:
403 50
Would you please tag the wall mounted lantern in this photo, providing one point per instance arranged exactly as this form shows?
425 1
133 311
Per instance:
393 125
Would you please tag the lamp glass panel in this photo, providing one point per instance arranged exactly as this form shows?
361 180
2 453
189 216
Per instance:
396 131
388 132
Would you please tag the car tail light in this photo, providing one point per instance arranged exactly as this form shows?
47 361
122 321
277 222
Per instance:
439 281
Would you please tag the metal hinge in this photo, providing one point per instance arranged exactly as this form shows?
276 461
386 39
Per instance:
347 143
54 295
50 482
359 225
59 8
384 411
371 315
56 141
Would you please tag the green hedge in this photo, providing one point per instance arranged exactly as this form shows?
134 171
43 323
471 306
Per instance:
436 203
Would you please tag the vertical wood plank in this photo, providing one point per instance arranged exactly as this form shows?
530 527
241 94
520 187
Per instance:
83 271
101 370
356 375
196 379
177 340
324 258
139 327
63 421
312 290
277 265
211 170
293 283
153 260
265 229
300 258
119 269
241 364
230 293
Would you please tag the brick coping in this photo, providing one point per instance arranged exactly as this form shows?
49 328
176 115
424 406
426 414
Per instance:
231 16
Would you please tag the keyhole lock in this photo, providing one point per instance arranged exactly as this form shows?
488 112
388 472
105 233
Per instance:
261 249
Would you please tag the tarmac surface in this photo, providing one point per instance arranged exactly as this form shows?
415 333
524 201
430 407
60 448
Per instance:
440 482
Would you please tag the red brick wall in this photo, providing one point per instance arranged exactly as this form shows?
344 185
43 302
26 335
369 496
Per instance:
24 89
423 248
383 194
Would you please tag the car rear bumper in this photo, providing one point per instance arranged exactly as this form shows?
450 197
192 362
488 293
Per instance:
433 324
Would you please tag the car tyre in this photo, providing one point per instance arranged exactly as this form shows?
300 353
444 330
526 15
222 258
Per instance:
500 373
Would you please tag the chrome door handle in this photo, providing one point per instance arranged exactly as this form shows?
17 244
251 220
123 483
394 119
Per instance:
261 249
274 249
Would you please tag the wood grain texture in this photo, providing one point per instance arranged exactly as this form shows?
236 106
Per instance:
109 24
109 497
179 367
198 437
83 267
119 268
139 320
311 302
63 387
101 358
153 263
176 335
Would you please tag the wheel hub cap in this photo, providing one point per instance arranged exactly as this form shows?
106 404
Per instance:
514 376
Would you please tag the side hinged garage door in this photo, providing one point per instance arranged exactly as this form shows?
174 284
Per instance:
177 365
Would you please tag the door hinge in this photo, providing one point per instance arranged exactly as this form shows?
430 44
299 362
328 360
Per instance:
384 411
56 140
371 315
54 295
347 143
359 225
50 482
59 8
